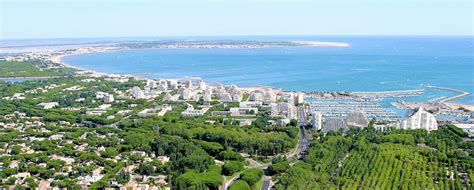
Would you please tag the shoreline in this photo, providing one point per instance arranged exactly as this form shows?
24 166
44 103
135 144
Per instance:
58 59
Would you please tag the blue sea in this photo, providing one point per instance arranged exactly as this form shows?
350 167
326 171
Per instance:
370 64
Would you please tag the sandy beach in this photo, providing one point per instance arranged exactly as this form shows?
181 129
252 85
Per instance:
58 60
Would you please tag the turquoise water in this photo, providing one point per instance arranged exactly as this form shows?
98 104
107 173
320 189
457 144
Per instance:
369 64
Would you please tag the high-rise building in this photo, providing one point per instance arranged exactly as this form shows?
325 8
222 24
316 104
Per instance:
317 120
225 97
188 83
299 99
188 94
357 119
137 93
151 84
255 96
334 124
161 88
269 97
283 109
172 83
201 84
207 97
420 119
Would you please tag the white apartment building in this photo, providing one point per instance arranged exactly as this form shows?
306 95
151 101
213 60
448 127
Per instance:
420 119
137 93
317 120
283 109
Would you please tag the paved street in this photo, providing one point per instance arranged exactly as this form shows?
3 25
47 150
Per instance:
267 183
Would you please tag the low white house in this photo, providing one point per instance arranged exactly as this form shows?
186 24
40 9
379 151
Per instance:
48 105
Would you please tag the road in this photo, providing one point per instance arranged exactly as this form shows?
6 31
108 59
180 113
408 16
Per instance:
267 183
300 151
302 115
253 163
227 183
302 146
257 164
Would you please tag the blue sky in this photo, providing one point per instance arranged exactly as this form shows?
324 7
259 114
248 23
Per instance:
119 18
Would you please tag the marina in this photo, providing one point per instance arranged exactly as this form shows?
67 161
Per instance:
341 109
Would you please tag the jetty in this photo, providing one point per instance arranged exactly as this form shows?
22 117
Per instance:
392 92
460 95
389 94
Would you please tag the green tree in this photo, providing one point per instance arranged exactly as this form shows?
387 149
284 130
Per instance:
145 169
109 152
239 185
231 167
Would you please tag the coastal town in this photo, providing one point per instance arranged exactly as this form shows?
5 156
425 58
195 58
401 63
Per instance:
236 95
82 129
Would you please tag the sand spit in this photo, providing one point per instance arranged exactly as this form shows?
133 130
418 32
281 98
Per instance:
316 43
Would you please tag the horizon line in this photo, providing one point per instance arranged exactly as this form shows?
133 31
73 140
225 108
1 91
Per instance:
250 35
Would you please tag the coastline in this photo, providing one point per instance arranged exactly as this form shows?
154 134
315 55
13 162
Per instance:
58 59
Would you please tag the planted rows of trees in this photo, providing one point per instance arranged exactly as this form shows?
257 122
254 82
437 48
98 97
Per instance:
395 159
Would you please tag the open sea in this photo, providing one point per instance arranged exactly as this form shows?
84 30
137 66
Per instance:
369 64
